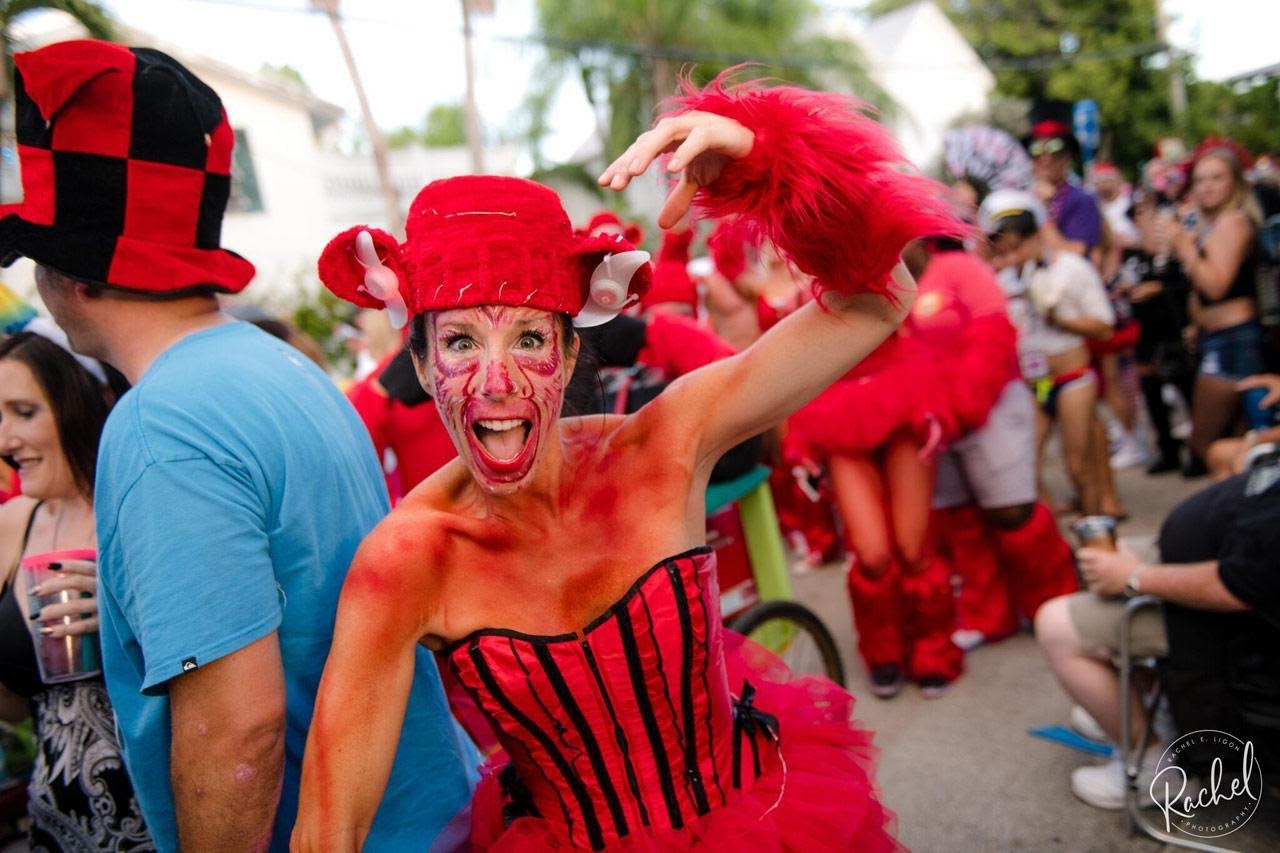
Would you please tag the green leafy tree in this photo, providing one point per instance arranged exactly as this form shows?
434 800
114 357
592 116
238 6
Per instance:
323 317
1250 114
1067 50
444 126
627 53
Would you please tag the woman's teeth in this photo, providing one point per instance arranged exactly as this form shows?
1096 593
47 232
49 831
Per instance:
501 426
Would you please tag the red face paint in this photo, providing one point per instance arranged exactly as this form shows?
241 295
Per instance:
498 377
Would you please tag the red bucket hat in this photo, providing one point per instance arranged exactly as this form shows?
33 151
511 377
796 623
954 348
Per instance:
486 240
126 170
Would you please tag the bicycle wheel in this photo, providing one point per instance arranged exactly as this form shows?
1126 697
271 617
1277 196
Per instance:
794 633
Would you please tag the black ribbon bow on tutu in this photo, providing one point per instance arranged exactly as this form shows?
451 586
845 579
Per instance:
748 721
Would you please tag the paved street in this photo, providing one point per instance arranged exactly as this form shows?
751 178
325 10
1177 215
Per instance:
962 773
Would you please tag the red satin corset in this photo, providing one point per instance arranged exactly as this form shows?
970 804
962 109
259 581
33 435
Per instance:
629 723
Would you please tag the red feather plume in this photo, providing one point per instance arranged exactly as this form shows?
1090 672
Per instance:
823 182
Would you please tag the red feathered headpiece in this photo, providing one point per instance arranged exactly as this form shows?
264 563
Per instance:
671 281
608 223
729 245
823 182
484 240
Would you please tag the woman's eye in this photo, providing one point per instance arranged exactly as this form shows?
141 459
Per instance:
531 340
459 343
24 412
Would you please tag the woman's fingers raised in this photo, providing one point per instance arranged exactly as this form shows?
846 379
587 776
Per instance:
641 153
677 203
702 142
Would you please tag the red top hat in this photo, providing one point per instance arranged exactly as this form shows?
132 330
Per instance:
485 240
126 170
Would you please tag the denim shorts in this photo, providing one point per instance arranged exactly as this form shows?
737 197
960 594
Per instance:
1234 352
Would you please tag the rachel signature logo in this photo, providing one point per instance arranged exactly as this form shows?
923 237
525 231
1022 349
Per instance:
1212 807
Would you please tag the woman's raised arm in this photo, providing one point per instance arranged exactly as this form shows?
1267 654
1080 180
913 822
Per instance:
829 189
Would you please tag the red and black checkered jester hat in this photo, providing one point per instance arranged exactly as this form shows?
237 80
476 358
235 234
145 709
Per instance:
126 171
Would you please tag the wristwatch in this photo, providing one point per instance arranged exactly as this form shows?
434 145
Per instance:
1132 588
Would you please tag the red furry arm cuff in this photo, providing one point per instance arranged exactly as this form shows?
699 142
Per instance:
823 182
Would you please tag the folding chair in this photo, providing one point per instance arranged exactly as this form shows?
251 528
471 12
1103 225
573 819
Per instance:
1133 758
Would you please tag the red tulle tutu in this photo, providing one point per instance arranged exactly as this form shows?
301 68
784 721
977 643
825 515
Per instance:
897 387
818 791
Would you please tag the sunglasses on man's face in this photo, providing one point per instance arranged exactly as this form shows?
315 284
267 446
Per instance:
1046 146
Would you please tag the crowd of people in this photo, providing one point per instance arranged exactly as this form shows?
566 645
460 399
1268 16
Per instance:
470 601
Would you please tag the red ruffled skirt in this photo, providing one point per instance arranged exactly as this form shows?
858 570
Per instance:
818 791
897 387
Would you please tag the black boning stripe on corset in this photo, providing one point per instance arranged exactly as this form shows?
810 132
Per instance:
475 697
686 690
619 735
594 755
574 781
706 691
627 631
666 694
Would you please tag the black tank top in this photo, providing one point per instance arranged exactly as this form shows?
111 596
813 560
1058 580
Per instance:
18 669
1244 284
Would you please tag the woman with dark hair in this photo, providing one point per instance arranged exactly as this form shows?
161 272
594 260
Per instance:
1215 244
51 416
559 567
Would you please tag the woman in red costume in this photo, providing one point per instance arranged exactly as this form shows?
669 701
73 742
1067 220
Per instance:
1003 545
558 567
876 430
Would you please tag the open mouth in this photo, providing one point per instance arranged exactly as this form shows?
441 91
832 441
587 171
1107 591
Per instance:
502 440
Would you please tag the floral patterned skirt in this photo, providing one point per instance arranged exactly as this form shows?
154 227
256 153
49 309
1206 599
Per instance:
80 797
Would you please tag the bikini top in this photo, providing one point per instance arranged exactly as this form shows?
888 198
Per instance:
18 669
627 723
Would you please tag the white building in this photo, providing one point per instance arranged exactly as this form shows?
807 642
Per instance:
293 188
926 67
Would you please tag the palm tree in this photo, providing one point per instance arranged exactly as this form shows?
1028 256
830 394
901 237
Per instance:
390 196
472 110
630 51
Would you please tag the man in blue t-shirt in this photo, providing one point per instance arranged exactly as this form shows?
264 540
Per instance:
234 481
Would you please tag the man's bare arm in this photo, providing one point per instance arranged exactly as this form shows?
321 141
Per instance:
227 755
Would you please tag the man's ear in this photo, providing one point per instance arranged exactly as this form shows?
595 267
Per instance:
86 292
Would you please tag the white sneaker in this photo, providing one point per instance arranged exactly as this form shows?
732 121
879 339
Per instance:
1083 723
1130 452
1103 786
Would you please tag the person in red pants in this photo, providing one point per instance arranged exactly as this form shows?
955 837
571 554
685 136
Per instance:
1003 544
875 429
